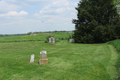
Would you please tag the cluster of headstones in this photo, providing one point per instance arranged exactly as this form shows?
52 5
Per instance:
52 40
43 54
43 58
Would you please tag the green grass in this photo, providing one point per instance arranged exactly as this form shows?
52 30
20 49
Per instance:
41 37
66 61
116 44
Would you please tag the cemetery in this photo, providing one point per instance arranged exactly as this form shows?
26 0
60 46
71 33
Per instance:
63 60
90 52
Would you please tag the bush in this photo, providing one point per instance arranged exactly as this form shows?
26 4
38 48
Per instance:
46 41
47 38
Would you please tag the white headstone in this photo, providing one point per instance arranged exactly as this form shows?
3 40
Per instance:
43 52
71 40
52 40
32 58
43 57
49 40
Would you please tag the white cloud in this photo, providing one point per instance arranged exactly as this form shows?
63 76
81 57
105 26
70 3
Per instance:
54 8
9 23
48 15
14 13
4 6
57 10
10 0
23 13
59 13
35 0
61 3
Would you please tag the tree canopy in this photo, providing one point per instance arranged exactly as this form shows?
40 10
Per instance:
96 21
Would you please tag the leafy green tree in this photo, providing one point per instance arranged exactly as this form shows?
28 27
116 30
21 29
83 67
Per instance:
96 21
29 33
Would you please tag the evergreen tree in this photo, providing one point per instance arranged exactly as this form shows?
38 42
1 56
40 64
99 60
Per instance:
117 3
96 21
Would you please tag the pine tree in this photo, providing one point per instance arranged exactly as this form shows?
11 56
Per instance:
96 21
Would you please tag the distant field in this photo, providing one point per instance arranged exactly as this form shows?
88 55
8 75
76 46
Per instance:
40 37
66 61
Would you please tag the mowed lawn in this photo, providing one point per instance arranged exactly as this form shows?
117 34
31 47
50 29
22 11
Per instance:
66 61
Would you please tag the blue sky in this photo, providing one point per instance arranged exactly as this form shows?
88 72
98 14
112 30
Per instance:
22 16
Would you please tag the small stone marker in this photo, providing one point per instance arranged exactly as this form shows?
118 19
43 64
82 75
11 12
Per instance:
49 40
32 58
71 40
52 40
43 57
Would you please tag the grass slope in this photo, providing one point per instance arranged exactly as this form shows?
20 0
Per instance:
116 44
67 61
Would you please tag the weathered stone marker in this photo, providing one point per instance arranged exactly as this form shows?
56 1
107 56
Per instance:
43 57
71 40
32 58
52 40
49 40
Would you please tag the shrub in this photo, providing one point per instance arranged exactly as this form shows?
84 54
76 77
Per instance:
46 41
47 38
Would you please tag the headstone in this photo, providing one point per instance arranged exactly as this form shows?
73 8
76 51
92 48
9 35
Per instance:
43 57
49 40
32 58
52 40
71 40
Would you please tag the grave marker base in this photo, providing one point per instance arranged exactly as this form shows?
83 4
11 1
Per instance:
43 61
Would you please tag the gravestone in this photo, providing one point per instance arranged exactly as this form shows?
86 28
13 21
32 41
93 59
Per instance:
49 40
43 57
71 40
52 40
32 58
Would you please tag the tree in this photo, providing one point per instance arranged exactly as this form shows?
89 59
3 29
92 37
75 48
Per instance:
29 33
96 21
117 3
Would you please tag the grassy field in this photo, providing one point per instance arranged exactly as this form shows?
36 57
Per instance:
40 37
66 61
